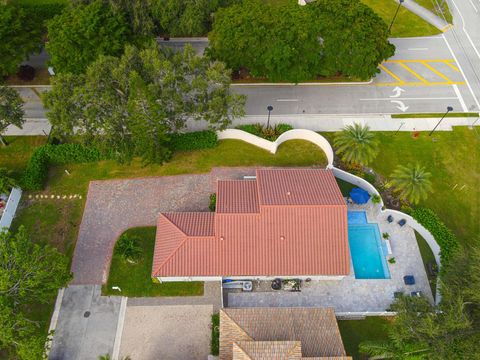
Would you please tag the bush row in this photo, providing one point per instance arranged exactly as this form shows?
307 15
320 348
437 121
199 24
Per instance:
42 12
443 235
36 171
193 140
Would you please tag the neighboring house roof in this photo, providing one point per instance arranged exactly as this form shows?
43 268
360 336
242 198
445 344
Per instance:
280 333
287 222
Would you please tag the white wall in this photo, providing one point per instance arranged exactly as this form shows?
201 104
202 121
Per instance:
10 208
272 146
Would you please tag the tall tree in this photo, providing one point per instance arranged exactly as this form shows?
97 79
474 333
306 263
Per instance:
11 110
83 32
356 144
29 274
412 182
19 37
284 41
130 105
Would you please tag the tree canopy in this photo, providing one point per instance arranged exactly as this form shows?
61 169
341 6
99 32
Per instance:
19 37
411 182
29 274
82 32
11 110
129 105
295 43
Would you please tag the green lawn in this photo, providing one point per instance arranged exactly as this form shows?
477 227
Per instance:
406 24
355 331
345 187
427 257
135 279
15 156
432 5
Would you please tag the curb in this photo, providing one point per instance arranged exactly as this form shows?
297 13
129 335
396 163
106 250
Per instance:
119 332
305 84
54 320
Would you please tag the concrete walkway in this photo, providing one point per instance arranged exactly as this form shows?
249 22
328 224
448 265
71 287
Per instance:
426 15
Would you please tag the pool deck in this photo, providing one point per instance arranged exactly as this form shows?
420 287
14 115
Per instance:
350 294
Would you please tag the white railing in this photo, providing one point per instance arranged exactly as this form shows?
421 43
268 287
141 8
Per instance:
10 208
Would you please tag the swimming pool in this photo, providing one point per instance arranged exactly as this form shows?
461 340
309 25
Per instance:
366 247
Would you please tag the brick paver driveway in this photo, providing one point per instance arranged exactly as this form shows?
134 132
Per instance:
114 206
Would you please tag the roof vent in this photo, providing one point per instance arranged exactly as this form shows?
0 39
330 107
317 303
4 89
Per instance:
289 193
282 237
222 238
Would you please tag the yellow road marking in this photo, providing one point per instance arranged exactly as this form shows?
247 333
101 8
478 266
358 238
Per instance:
400 81
413 73
414 61
432 69
419 83
452 66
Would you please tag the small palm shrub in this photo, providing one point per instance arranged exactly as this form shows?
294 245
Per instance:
213 202
411 182
270 133
356 144
127 247
7 182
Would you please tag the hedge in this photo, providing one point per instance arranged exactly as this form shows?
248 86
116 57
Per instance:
36 171
271 133
445 238
193 140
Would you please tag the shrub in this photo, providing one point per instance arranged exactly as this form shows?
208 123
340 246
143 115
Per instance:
36 171
127 247
270 133
213 202
7 182
193 140
376 199
392 260
215 342
443 235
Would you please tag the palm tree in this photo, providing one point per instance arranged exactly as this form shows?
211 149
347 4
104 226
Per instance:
356 144
394 350
412 182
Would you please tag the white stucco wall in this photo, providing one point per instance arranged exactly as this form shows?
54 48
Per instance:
10 208
272 146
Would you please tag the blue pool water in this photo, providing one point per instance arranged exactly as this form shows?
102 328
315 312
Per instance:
366 247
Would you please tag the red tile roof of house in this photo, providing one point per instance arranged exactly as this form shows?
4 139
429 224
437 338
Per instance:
288 222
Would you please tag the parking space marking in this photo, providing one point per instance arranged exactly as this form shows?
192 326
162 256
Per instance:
460 98
427 64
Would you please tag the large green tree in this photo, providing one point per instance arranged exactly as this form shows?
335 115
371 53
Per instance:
83 32
295 43
29 274
19 37
412 182
131 104
356 144
11 110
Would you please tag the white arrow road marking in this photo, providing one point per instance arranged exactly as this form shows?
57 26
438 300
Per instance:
398 91
401 106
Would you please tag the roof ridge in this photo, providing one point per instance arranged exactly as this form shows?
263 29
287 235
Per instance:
236 343
236 323
171 222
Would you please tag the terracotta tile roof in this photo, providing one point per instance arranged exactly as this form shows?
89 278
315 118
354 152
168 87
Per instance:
246 238
298 187
271 330
237 197
267 350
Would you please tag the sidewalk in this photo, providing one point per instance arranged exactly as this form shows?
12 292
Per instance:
426 15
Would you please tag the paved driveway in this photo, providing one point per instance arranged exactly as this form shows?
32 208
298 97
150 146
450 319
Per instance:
167 332
114 206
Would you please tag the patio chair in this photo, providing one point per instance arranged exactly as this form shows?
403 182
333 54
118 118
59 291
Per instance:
390 218
402 222
409 280
416 294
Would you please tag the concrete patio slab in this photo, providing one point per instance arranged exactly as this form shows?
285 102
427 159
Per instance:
167 332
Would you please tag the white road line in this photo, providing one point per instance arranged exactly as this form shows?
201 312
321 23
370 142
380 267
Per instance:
461 70
418 49
460 98
118 334
471 2
287 100
465 30
389 99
